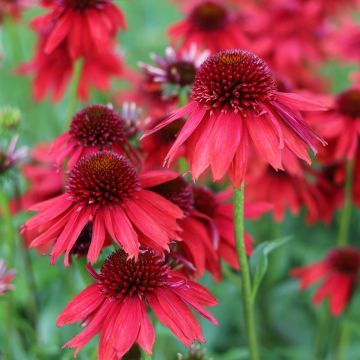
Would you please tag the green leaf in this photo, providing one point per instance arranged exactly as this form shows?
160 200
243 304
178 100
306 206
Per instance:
259 261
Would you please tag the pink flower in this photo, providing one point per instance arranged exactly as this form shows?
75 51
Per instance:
6 277
105 189
234 105
94 128
210 25
339 271
116 305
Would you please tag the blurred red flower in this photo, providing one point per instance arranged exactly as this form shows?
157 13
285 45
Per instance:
6 277
339 271
116 306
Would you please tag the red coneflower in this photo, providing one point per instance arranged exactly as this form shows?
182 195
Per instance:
218 217
45 180
11 156
116 305
94 128
6 277
197 247
340 270
96 20
210 24
105 189
341 124
234 102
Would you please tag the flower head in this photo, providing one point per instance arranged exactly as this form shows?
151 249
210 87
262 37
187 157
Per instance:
11 156
211 25
104 189
339 271
341 124
116 305
94 128
235 104
6 277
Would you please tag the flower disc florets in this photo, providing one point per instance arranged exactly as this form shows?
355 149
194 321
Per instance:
348 103
345 260
209 16
103 178
179 192
82 5
234 79
122 277
182 72
204 200
98 125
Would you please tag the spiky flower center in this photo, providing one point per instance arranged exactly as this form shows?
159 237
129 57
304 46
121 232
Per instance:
209 16
82 5
98 125
182 73
344 260
204 200
348 103
122 277
178 191
233 79
103 178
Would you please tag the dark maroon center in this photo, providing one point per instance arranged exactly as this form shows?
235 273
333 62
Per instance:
82 5
122 277
345 260
348 103
178 191
182 73
103 178
209 16
233 79
98 125
83 242
204 200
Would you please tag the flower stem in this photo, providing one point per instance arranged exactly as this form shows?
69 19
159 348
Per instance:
343 340
73 89
245 272
346 211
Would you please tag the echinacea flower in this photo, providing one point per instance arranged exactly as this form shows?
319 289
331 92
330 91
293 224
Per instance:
217 215
45 179
96 20
11 156
105 189
339 272
235 104
210 24
177 69
197 246
341 124
6 277
116 305
94 128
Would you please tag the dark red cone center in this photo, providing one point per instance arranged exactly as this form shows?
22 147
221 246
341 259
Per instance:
182 73
178 191
204 200
122 277
103 178
345 260
98 125
233 79
209 16
167 135
348 103
82 5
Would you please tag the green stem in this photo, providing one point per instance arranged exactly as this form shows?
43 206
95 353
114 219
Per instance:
73 89
81 267
10 239
245 272
346 211
145 356
12 27
343 340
